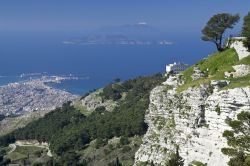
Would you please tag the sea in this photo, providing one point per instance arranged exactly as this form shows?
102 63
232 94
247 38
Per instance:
26 55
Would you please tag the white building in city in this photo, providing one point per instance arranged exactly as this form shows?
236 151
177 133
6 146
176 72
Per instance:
176 68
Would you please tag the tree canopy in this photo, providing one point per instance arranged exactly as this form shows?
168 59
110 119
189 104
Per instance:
246 30
216 27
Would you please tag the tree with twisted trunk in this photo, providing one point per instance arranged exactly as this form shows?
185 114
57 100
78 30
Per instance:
216 27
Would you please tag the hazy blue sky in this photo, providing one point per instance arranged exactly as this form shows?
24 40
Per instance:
78 15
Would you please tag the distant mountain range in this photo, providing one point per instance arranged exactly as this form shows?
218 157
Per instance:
137 34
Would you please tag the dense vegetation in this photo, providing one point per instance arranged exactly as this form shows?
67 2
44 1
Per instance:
132 88
246 30
3 161
2 117
122 149
68 130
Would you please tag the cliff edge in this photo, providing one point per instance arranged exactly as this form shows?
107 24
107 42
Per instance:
189 111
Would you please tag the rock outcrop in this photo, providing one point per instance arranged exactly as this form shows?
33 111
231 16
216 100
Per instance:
193 121
239 71
197 74
94 100
239 47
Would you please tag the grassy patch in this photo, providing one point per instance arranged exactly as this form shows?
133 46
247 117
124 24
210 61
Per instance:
22 152
194 84
186 75
219 63
238 82
15 156
27 149
214 68
11 123
245 61
90 148
198 163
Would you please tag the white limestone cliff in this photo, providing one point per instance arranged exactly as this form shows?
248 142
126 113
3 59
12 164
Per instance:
190 121
238 45
239 71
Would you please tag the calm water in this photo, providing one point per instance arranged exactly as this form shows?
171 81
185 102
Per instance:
44 52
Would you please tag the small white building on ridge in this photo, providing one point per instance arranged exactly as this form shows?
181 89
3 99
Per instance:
176 68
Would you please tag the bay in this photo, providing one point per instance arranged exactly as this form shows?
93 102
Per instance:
33 52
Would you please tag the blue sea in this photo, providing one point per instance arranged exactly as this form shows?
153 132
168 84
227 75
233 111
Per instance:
39 52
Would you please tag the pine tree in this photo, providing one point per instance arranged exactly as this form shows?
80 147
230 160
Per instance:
238 139
216 27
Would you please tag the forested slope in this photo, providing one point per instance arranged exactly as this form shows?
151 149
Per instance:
68 131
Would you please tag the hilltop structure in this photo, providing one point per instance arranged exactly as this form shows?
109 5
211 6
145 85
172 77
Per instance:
176 68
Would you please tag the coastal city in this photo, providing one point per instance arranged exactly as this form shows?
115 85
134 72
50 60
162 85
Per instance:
27 96
124 83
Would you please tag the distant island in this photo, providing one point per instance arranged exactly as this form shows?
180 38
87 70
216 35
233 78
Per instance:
115 39
134 34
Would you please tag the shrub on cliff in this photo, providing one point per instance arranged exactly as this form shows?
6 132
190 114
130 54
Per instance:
176 159
238 139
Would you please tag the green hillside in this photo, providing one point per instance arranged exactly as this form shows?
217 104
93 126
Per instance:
214 68
75 138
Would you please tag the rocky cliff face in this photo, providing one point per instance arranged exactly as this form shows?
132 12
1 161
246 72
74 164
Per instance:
239 47
193 120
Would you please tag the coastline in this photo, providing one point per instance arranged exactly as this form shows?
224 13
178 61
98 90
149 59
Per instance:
34 95
68 82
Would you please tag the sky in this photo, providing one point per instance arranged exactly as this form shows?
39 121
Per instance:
79 15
